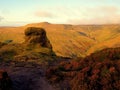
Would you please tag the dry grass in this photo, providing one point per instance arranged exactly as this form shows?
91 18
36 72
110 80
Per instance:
68 40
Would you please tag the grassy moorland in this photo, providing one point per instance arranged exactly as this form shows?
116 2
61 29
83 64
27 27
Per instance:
28 59
70 40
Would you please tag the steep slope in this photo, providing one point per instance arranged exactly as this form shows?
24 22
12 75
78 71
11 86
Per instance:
110 36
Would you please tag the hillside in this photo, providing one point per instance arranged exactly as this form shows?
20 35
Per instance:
23 65
33 65
98 71
35 48
70 40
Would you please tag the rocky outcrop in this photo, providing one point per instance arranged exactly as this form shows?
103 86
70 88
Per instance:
37 47
37 37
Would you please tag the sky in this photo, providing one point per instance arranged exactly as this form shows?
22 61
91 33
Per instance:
22 12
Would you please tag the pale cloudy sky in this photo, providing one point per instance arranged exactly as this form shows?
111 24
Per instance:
21 12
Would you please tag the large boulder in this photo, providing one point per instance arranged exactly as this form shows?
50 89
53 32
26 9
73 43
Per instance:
37 37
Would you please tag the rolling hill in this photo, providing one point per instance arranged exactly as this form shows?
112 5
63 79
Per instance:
70 40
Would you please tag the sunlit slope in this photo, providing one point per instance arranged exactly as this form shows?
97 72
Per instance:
12 33
111 43
107 37
66 41
70 40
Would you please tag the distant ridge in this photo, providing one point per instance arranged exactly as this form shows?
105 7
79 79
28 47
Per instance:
46 23
36 24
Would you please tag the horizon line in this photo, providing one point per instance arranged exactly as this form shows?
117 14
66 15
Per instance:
60 24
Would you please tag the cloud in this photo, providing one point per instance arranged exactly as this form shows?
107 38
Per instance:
96 20
99 15
81 15
44 14
1 18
